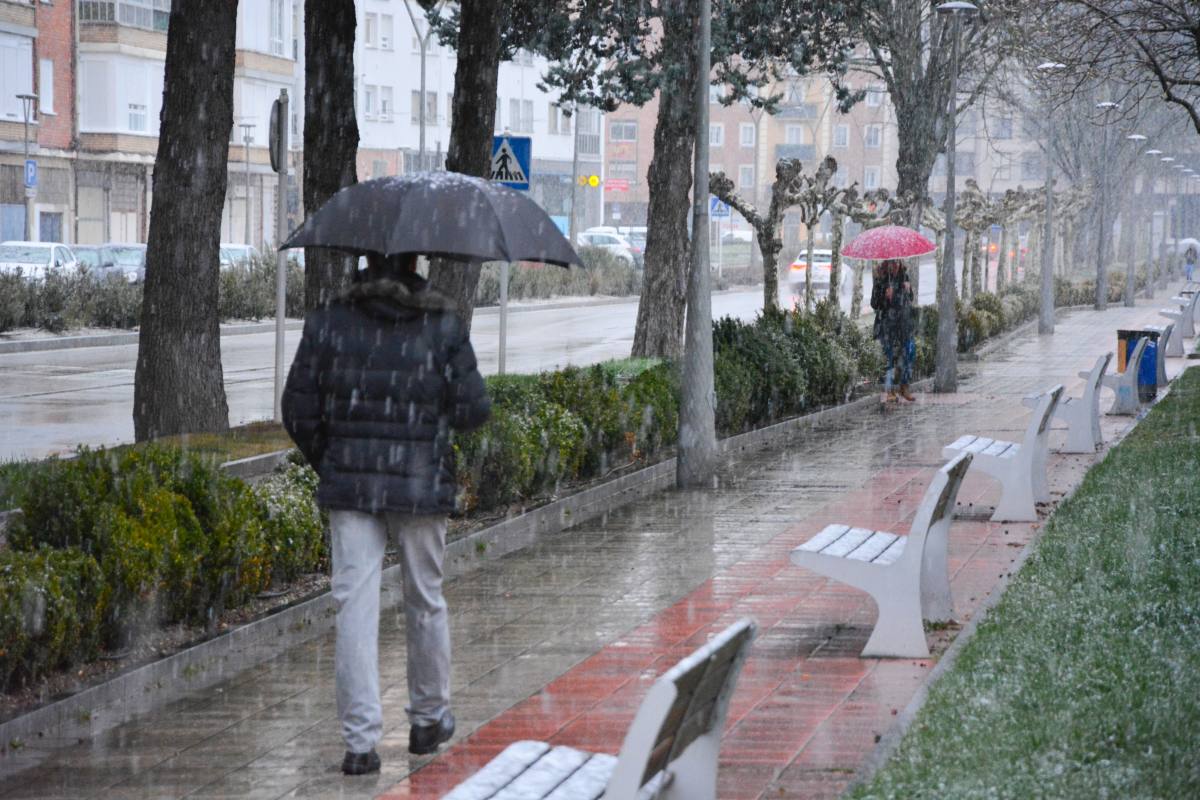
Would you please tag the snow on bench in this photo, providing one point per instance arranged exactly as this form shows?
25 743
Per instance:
1020 468
1184 316
670 751
1125 384
1081 414
907 576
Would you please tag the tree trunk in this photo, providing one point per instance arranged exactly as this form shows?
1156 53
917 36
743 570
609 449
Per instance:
857 298
808 269
178 385
978 264
765 240
330 134
835 263
659 329
1002 261
474 122
964 292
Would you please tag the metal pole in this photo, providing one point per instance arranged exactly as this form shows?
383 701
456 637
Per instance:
27 107
698 456
1046 315
281 131
1103 233
572 223
946 370
503 316
246 126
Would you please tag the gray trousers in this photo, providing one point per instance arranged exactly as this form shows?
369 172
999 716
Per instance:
359 541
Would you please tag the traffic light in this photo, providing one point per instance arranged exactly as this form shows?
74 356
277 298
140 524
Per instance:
588 180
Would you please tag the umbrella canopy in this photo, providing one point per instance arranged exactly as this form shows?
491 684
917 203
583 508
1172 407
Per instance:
438 214
888 241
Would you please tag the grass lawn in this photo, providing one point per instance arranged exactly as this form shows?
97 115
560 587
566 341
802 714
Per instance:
1084 681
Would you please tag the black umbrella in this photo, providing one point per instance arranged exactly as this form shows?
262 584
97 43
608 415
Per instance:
438 214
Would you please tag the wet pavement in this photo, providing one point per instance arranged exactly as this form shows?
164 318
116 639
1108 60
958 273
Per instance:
560 641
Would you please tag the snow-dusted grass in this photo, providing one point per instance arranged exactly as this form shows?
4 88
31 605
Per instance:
1084 681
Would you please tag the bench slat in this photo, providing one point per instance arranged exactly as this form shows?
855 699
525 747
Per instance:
544 775
980 444
873 546
499 772
893 552
589 781
997 448
826 537
846 544
962 442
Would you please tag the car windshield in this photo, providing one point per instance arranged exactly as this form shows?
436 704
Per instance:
231 254
89 256
127 256
24 254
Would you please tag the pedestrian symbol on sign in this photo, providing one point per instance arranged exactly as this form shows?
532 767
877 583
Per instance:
510 161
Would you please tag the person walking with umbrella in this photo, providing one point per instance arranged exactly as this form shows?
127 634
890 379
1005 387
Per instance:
383 374
892 298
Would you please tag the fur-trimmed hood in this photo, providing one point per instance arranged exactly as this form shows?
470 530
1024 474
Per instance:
395 299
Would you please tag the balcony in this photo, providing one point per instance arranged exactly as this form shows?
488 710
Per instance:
797 111
804 152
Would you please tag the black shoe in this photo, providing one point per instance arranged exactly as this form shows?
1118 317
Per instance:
424 739
360 763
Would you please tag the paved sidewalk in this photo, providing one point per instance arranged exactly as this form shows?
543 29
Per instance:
560 641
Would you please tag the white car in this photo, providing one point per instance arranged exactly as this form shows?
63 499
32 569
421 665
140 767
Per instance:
239 255
614 243
35 259
822 260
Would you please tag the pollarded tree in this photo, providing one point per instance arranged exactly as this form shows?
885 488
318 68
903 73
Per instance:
817 197
178 383
974 215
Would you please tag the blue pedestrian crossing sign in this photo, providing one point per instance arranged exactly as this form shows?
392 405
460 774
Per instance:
716 208
510 160
30 174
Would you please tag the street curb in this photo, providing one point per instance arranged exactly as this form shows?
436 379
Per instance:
151 686
890 740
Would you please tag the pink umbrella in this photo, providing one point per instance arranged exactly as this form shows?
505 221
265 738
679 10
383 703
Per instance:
888 241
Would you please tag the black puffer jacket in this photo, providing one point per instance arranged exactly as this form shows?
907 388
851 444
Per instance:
381 376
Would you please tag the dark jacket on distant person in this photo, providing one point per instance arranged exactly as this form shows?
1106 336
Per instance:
381 376
894 323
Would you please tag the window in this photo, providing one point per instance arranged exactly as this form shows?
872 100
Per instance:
16 74
1031 166
794 134
841 177
277 27
137 117
622 131
527 116
747 134
870 177
385 103
152 15
1002 128
385 32
716 135
873 136
588 139
370 93
514 114
841 136
564 123
370 30
746 176
551 118
430 107
449 107
874 97
378 168
46 86
623 170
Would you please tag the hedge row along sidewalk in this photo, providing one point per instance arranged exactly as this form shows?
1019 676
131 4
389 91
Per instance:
1084 681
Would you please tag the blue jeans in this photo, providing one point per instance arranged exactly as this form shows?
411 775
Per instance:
1188 269
907 354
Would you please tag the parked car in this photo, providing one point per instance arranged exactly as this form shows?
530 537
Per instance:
35 259
614 243
737 237
822 259
127 261
239 255
635 234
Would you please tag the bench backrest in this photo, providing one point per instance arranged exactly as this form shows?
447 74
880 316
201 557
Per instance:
1135 358
687 703
1091 390
1039 423
937 506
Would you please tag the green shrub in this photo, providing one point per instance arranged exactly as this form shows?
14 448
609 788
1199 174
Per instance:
734 383
116 303
13 290
604 274
591 394
774 360
49 613
651 400
293 525
497 462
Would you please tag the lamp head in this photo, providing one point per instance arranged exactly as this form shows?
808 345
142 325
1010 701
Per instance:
1051 66
1136 137
958 7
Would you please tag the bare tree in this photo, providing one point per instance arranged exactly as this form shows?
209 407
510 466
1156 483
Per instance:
178 383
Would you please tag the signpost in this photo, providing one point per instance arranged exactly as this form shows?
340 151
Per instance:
511 161
277 142
718 210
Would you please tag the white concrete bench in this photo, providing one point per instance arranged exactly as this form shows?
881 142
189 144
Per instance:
670 751
1164 332
1081 414
907 576
1020 468
1124 384
1184 316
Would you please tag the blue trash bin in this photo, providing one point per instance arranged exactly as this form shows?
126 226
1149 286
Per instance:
1148 371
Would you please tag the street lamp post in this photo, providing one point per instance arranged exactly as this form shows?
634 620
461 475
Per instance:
1165 162
246 140
1046 309
946 371
1130 276
1177 261
28 108
1105 230
1156 269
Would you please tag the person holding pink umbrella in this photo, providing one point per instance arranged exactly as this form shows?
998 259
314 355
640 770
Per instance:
892 298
